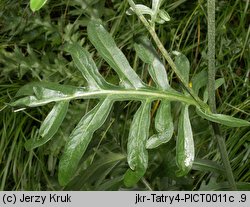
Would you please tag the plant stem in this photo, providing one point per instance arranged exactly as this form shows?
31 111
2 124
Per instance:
211 92
118 95
211 78
211 54
165 52
224 155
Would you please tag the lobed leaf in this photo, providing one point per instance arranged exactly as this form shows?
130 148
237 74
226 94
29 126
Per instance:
199 81
50 125
223 119
156 15
148 54
87 66
28 89
41 93
184 143
80 139
37 4
183 65
137 153
163 17
107 48
163 120
163 125
156 5
119 94
155 8
142 8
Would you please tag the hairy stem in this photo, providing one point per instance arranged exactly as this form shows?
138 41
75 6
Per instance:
211 92
211 77
211 54
164 52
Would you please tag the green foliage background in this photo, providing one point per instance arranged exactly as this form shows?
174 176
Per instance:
31 50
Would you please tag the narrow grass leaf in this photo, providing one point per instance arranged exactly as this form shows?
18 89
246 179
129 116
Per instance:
87 66
218 82
80 139
137 153
107 48
223 119
208 165
184 143
50 125
37 4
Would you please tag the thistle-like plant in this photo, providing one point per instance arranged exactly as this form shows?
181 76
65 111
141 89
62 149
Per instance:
131 87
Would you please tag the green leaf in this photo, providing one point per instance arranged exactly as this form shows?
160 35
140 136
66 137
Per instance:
164 16
183 65
163 120
50 125
87 66
137 153
184 143
96 172
199 81
208 165
43 93
107 48
163 125
119 94
80 138
223 119
37 4
141 8
156 5
156 15
148 54
144 49
28 89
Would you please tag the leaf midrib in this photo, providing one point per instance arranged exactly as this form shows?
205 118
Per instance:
122 95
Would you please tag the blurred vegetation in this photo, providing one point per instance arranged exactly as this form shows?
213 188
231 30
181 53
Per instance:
31 50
